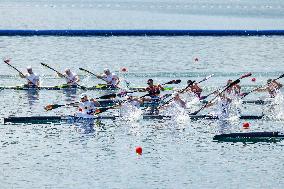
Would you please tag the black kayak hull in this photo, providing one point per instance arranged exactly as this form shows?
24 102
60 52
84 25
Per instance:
69 118
250 137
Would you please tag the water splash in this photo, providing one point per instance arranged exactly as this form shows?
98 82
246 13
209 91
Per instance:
277 107
178 114
130 112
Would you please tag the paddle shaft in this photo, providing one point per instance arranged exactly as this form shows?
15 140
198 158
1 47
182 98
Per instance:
262 86
82 87
88 71
183 90
243 76
18 71
204 106
97 76
105 109
190 84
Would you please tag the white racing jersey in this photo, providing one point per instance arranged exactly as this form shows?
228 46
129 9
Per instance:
111 79
71 78
32 78
86 109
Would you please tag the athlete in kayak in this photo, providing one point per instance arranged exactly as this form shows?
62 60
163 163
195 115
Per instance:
131 106
177 101
234 90
134 101
223 106
32 78
273 87
154 92
87 108
71 78
195 89
111 79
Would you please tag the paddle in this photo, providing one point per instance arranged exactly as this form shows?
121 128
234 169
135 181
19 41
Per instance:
245 94
100 110
204 106
243 76
180 91
172 82
113 95
54 106
103 109
45 65
7 61
183 90
97 76
226 87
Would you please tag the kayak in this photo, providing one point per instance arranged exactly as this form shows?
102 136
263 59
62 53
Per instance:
59 87
110 103
70 118
250 137
64 87
256 102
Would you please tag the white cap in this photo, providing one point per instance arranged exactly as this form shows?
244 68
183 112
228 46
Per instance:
106 70
29 68
67 70
83 95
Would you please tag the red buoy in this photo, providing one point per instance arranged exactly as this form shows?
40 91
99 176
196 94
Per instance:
245 125
253 79
196 59
139 150
124 69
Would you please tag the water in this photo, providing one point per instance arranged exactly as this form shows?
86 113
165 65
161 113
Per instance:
142 14
176 153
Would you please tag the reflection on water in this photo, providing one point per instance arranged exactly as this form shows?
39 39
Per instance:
70 94
32 96
85 127
224 126
177 153
274 108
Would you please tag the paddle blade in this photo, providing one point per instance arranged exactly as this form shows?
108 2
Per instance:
44 64
174 82
7 61
246 75
101 110
233 83
48 107
52 107
177 81
98 111
191 83
244 94
108 96
168 88
82 87
280 76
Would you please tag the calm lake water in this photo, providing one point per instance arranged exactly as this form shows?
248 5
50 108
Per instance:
176 153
